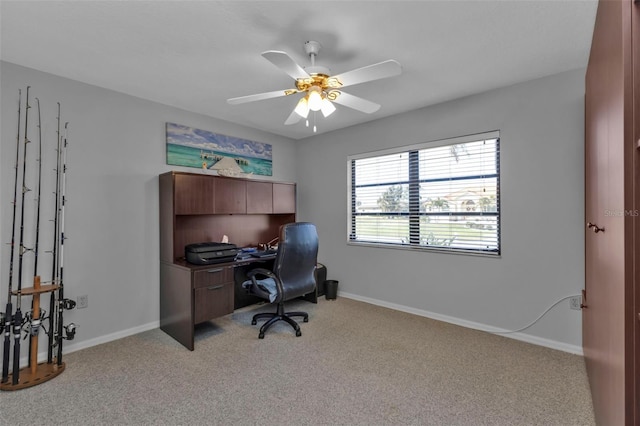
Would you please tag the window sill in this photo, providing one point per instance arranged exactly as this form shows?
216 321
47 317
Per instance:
426 249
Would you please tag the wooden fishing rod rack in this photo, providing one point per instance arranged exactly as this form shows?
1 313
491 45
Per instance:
35 374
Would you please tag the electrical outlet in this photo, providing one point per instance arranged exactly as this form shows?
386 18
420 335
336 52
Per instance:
83 301
575 303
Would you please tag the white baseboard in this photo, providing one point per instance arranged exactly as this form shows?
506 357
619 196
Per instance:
72 347
553 344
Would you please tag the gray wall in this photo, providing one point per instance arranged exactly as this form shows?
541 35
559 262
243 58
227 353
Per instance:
116 152
541 126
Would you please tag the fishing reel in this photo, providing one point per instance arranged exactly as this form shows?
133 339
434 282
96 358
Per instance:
68 304
3 320
31 326
70 331
34 328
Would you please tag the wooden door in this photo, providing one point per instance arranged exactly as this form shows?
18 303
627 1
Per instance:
611 162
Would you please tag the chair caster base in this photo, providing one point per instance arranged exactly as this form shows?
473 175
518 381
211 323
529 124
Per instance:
280 315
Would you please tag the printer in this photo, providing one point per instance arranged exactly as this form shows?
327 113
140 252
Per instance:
208 253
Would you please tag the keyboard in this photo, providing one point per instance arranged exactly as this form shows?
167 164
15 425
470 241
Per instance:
265 253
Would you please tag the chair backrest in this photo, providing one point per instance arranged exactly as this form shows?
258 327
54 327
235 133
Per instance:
296 260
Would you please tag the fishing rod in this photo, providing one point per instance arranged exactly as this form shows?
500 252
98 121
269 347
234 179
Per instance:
70 329
17 321
34 317
54 271
35 247
9 310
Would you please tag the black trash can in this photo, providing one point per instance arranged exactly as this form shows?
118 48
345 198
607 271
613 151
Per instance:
331 289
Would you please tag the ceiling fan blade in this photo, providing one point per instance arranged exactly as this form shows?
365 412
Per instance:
377 71
293 118
355 102
285 63
260 96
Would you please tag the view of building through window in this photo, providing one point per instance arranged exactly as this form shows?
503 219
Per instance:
444 196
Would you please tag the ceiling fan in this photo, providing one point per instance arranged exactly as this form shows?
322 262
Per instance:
321 89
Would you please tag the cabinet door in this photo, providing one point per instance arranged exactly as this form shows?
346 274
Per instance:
284 198
259 197
212 302
213 293
194 194
231 196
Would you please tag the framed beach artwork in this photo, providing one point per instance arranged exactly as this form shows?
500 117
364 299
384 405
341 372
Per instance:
227 155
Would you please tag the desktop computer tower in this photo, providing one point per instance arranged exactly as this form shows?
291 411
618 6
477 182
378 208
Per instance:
321 277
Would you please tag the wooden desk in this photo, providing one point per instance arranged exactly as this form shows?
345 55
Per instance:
197 208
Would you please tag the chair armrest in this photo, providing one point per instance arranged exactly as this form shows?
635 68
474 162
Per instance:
267 273
260 271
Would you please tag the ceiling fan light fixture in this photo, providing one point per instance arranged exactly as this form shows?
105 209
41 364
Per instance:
327 107
302 109
315 98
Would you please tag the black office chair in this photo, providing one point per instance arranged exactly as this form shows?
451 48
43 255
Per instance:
293 274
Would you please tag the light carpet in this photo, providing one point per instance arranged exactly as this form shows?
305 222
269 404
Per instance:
355 364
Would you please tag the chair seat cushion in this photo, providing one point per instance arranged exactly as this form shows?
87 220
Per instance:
268 285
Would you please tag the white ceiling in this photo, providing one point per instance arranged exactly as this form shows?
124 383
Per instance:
196 54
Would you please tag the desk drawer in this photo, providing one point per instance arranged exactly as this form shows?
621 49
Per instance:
213 301
212 276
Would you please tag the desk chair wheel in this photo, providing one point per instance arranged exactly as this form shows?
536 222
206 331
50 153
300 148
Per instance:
254 322
298 333
261 336
305 319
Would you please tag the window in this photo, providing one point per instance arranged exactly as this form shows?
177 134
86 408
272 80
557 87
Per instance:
442 195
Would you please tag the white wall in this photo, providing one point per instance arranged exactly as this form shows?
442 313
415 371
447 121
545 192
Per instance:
116 152
541 127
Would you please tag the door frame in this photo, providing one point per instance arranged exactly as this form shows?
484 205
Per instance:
635 282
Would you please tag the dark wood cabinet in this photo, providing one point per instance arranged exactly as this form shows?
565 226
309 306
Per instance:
197 208
230 196
189 191
213 293
190 295
284 198
259 197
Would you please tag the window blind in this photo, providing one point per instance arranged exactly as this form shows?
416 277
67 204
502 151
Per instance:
441 195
